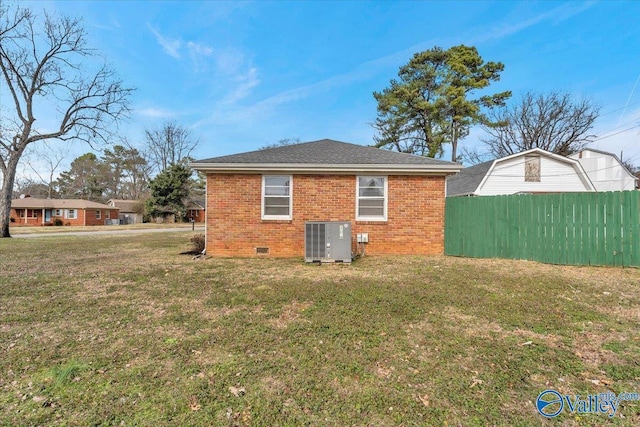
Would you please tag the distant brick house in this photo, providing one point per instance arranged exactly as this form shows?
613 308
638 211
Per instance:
31 211
196 210
262 199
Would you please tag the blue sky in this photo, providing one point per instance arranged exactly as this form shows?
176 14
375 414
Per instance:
241 75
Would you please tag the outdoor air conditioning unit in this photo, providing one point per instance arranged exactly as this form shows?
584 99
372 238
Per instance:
327 241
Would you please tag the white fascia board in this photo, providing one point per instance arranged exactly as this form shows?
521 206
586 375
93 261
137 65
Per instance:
324 168
485 177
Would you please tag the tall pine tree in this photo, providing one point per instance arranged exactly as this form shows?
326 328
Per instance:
431 104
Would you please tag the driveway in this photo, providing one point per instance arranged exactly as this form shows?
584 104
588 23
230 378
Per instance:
111 232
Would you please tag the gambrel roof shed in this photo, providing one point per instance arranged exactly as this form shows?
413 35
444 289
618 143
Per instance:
507 175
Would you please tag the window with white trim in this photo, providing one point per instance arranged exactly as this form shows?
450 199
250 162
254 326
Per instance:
71 214
107 214
98 214
276 196
57 212
371 198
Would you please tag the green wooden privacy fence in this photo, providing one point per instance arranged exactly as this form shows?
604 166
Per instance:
560 228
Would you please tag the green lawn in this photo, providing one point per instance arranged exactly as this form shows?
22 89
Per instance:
122 330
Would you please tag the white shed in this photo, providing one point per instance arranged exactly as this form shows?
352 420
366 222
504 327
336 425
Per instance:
606 171
531 171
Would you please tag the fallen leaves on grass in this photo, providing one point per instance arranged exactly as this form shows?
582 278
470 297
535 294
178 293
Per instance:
193 403
237 391
475 381
424 399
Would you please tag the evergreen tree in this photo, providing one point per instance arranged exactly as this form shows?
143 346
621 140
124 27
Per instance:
85 179
431 104
169 190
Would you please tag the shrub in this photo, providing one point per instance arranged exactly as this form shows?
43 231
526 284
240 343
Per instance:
197 241
58 222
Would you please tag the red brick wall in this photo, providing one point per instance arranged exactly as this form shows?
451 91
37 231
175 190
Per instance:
197 215
91 216
17 221
79 220
415 219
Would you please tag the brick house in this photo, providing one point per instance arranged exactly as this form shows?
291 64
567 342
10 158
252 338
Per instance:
196 210
31 211
262 199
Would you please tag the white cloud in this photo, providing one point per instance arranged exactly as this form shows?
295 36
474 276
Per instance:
556 15
245 83
175 48
199 49
171 47
197 53
229 61
157 113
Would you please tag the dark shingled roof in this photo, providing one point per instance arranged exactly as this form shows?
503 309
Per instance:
326 152
196 204
468 179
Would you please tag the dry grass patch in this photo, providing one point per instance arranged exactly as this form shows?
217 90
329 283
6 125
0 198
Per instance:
290 313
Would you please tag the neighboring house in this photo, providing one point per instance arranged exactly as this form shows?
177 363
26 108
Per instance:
196 210
606 171
531 171
33 211
258 202
130 210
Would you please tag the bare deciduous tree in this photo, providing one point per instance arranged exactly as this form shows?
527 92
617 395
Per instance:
43 161
281 143
44 65
169 145
553 122
27 185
